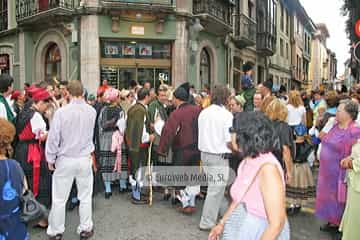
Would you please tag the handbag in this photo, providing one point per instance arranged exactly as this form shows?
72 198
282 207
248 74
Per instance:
31 209
238 218
341 187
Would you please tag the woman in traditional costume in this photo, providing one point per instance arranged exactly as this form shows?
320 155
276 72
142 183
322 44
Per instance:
31 130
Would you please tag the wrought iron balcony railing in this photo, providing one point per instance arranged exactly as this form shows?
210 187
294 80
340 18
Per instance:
151 2
29 8
266 43
245 31
143 5
219 9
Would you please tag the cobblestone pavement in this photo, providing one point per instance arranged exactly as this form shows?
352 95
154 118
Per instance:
119 219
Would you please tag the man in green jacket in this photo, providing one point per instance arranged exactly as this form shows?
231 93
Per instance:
138 137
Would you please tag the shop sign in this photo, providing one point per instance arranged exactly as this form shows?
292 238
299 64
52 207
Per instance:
163 77
357 28
4 61
138 30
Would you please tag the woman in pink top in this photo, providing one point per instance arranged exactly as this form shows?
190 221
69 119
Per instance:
258 193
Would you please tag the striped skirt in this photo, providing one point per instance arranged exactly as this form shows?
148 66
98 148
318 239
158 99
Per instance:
242 225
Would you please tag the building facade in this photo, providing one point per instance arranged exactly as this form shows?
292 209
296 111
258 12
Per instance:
319 55
161 41
280 63
205 42
244 38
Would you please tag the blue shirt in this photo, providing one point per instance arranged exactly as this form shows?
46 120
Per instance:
71 132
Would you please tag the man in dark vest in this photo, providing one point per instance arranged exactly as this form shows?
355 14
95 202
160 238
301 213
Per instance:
6 88
181 133
138 138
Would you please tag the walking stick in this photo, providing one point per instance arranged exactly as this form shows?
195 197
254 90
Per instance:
150 175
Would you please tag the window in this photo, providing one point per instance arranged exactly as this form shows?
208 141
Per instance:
250 9
260 74
288 25
4 15
298 65
287 50
205 70
53 63
297 26
282 18
131 49
281 47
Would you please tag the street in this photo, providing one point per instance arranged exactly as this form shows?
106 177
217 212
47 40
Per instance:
119 219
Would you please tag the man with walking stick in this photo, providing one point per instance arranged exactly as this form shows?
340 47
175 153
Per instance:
138 138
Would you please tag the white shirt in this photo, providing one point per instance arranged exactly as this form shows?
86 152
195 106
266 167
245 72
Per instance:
295 115
38 125
214 125
3 113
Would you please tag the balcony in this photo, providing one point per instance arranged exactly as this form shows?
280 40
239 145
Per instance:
266 44
144 5
245 31
30 12
215 15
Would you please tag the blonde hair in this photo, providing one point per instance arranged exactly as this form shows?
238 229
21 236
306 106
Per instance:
277 111
295 99
7 133
75 88
266 102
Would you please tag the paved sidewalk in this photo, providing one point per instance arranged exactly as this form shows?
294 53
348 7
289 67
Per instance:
119 219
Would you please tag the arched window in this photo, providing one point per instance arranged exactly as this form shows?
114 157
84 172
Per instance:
53 63
205 68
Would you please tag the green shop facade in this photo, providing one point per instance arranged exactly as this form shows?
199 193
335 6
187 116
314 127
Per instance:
118 44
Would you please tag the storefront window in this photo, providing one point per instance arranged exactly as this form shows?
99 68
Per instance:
126 61
121 77
131 49
204 68
53 63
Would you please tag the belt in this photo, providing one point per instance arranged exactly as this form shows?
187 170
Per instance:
223 155
226 155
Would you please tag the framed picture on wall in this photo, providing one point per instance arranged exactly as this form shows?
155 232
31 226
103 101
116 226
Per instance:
112 50
145 50
128 50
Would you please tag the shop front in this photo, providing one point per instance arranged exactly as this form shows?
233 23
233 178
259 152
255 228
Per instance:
136 46
125 61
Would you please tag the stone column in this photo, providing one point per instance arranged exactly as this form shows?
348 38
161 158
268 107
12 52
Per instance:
90 53
180 54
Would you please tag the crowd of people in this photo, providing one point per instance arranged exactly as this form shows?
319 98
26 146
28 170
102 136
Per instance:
66 145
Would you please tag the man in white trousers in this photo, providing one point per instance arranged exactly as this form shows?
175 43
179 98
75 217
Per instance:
215 122
68 151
